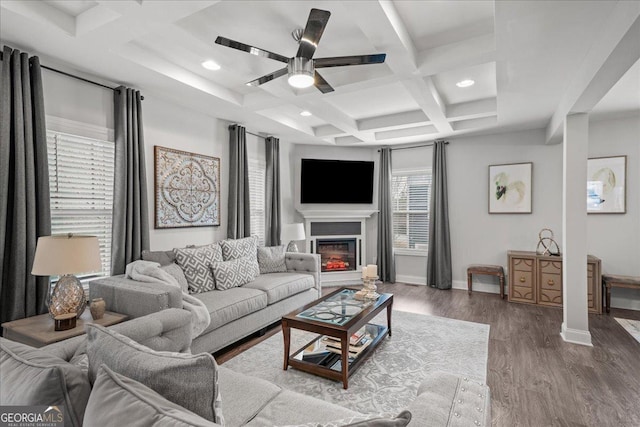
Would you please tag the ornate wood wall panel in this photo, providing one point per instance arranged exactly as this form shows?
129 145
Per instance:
187 189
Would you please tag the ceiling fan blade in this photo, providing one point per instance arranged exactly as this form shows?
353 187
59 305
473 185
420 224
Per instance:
250 49
322 84
267 78
340 61
312 32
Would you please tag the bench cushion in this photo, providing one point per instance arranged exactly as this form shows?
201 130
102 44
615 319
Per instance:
231 304
279 286
480 268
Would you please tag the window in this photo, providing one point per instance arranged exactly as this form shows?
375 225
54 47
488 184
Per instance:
81 186
411 194
257 172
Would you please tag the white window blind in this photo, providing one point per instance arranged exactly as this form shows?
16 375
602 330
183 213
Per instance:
81 186
257 172
411 194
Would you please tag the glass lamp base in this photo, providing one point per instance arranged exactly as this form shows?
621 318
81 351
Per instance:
67 297
292 247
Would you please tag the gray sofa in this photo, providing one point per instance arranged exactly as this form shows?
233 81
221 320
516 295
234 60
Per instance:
235 313
442 400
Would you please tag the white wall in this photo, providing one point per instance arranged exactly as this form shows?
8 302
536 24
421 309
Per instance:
478 237
615 238
166 125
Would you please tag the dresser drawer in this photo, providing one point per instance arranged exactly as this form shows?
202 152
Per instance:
551 281
551 297
550 267
522 264
521 286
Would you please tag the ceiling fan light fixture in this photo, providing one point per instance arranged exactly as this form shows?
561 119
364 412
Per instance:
300 72
465 83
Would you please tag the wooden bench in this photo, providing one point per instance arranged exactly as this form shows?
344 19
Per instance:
615 281
487 270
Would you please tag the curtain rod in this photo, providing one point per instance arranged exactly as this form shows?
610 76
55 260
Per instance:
73 76
428 144
250 133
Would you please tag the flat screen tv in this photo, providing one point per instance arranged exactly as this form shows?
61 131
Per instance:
336 181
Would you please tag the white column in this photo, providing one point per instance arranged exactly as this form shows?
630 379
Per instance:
575 325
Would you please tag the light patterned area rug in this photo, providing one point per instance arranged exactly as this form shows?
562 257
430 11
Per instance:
389 379
631 326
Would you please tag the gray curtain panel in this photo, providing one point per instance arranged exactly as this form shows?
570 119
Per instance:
386 261
439 257
130 230
273 215
239 211
24 185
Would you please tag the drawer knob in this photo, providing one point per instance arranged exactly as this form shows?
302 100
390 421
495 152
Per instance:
522 279
550 282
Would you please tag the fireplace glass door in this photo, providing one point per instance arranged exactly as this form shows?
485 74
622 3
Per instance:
337 254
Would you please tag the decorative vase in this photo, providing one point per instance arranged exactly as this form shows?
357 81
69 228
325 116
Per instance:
97 308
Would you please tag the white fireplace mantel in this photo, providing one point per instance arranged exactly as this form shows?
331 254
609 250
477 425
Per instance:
336 214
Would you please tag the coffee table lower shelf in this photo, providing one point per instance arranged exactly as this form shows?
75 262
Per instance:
314 357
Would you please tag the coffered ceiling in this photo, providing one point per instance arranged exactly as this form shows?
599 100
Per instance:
524 57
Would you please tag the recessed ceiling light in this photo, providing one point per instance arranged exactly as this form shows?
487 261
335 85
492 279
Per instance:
211 65
465 83
305 113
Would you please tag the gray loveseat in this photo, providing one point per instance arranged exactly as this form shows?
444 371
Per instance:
235 313
442 400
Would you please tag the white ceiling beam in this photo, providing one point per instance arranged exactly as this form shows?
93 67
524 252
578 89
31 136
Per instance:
391 32
424 92
474 123
43 13
615 50
405 132
327 130
472 110
406 118
348 140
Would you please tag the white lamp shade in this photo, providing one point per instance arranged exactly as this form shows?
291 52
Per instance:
66 254
293 232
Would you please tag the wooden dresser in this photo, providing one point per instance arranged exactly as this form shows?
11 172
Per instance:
537 279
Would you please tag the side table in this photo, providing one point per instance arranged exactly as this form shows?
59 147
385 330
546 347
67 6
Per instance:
38 331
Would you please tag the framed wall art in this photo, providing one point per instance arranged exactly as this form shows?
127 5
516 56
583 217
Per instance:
510 188
187 189
606 185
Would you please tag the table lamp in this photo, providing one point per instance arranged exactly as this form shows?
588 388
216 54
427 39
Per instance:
64 256
291 233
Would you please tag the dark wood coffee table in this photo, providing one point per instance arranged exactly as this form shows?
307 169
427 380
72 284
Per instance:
336 315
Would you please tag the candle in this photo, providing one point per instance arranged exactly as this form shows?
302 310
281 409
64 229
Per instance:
364 272
372 270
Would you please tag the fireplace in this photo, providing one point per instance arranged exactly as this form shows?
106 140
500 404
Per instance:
337 254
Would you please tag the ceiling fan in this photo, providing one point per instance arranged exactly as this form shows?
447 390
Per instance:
301 69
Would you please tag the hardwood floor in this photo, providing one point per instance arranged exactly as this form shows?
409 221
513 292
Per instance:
536 378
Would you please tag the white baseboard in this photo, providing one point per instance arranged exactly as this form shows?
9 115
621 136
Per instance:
411 280
576 336
477 287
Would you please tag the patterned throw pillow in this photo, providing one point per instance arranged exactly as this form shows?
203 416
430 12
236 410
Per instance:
234 249
196 264
235 272
271 259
